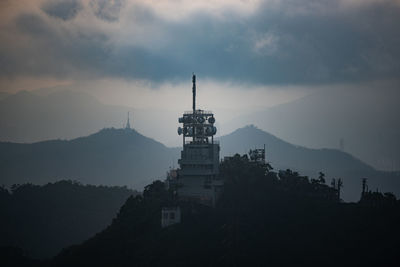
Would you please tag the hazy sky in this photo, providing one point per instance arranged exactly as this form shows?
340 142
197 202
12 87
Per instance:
248 54
157 44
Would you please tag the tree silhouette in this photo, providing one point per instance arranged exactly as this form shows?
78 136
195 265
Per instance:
321 177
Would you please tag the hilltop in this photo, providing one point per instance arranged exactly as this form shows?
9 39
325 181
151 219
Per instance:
366 122
108 157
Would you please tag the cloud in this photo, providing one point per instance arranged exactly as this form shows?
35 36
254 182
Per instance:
107 10
63 9
254 42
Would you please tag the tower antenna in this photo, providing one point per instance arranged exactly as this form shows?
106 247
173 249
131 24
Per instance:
194 92
128 125
194 104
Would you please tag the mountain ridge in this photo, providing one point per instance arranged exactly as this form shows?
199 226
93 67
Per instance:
367 128
307 161
254 134
126 157
105 157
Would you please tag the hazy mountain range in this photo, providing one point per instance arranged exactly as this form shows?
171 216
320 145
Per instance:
126 157
368 126
108 157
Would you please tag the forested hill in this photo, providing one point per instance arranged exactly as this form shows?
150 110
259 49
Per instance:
108 157
259 221
334 163
41 220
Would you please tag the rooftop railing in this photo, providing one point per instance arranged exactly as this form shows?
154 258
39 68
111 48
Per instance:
187 142
199 111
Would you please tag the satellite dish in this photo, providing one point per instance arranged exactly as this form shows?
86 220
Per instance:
179 130
180 120
201 119
190 131
211 120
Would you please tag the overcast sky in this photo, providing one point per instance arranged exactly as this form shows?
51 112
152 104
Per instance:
253 42
142 53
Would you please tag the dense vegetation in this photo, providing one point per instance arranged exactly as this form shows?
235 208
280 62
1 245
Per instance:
262 218
41 220
332 162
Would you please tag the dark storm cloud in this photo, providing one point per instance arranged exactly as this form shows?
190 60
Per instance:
63 9
53 50
300 42
107 10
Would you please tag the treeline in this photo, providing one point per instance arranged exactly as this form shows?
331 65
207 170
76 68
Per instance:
243 177
263 218
41 220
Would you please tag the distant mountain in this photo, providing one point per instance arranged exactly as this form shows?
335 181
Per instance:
125 157
66 114
334 163
109 157
367 123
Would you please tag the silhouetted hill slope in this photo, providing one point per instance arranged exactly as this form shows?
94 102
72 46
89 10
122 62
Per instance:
259 221
109 157
42 220
334 163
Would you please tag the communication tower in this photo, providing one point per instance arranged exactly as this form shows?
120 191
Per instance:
197 178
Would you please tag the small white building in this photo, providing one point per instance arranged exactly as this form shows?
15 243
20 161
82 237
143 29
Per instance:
170 216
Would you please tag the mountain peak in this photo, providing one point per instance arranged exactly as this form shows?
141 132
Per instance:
118 138
110 157
121 133
257 135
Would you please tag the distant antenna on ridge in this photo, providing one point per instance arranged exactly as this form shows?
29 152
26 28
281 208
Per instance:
128 125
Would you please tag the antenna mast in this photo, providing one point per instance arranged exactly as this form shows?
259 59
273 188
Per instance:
194 104
128 125
194 92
